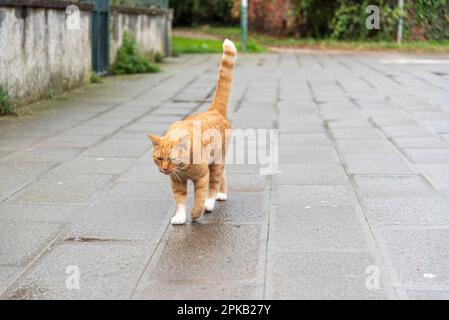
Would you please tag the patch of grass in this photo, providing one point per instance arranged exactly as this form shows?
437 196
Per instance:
130 60
416 46
191 45
6 106
95 78
263 40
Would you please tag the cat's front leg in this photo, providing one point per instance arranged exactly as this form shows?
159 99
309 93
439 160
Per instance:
201 188
179 188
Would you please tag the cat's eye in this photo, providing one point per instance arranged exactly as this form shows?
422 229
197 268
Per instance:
159 158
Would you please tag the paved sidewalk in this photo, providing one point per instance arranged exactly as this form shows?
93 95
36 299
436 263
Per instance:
363 189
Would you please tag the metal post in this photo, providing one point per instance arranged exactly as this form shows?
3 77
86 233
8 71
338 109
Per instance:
401 21
244 22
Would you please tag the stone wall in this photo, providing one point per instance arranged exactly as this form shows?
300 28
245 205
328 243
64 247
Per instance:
38 54
41 56
150 27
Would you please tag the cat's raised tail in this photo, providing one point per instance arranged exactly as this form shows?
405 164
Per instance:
224 83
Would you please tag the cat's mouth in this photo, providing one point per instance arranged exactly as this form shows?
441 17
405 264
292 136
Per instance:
166 172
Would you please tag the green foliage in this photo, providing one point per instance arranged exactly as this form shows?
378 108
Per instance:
95 78
427 19
130 60
6 107
158 57
311 17
195 12
261 40
51 92
339 19
350 18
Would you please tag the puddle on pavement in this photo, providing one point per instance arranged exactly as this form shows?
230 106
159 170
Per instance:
209 253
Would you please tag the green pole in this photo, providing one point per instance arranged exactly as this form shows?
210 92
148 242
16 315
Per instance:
244 22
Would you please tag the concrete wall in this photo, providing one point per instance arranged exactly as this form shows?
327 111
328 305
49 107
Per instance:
38 54
150 28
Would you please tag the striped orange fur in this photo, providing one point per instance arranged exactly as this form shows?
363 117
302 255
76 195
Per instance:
208 175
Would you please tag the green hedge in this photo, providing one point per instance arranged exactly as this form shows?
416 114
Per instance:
339 19
199 12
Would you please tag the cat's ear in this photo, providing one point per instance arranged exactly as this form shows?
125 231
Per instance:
155 139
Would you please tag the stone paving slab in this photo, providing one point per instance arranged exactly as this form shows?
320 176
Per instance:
314 195
420 143
378 164
417 257
365 147
305 155
45 154
225 255
126 220
58 214
34 236
426 294
61 188
119 147
362 187
427 155
16 175
392 186
321 275
437 174
107 271
241 208
72 141
312 223
311 174
84 165
406 211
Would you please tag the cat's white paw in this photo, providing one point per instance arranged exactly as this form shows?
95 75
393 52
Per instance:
209 204
178 219
180 215
222 196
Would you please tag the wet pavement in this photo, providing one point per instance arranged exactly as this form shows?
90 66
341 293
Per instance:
359 209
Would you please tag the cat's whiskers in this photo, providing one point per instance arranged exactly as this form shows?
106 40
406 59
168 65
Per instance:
173 173
184 174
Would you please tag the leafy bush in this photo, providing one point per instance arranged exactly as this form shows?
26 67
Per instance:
350 17
427 19
195 12
130 60
6 106
158 57
345 19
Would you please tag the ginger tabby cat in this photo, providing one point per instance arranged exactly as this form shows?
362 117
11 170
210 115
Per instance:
180 152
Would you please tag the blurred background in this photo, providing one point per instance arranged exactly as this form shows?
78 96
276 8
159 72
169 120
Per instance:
323 23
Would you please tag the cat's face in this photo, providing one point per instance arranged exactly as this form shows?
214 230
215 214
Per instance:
168 154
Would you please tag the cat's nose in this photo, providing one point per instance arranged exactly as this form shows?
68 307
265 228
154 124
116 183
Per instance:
164 166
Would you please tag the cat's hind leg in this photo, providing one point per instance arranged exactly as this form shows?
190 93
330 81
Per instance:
222 194
215 179
179 188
